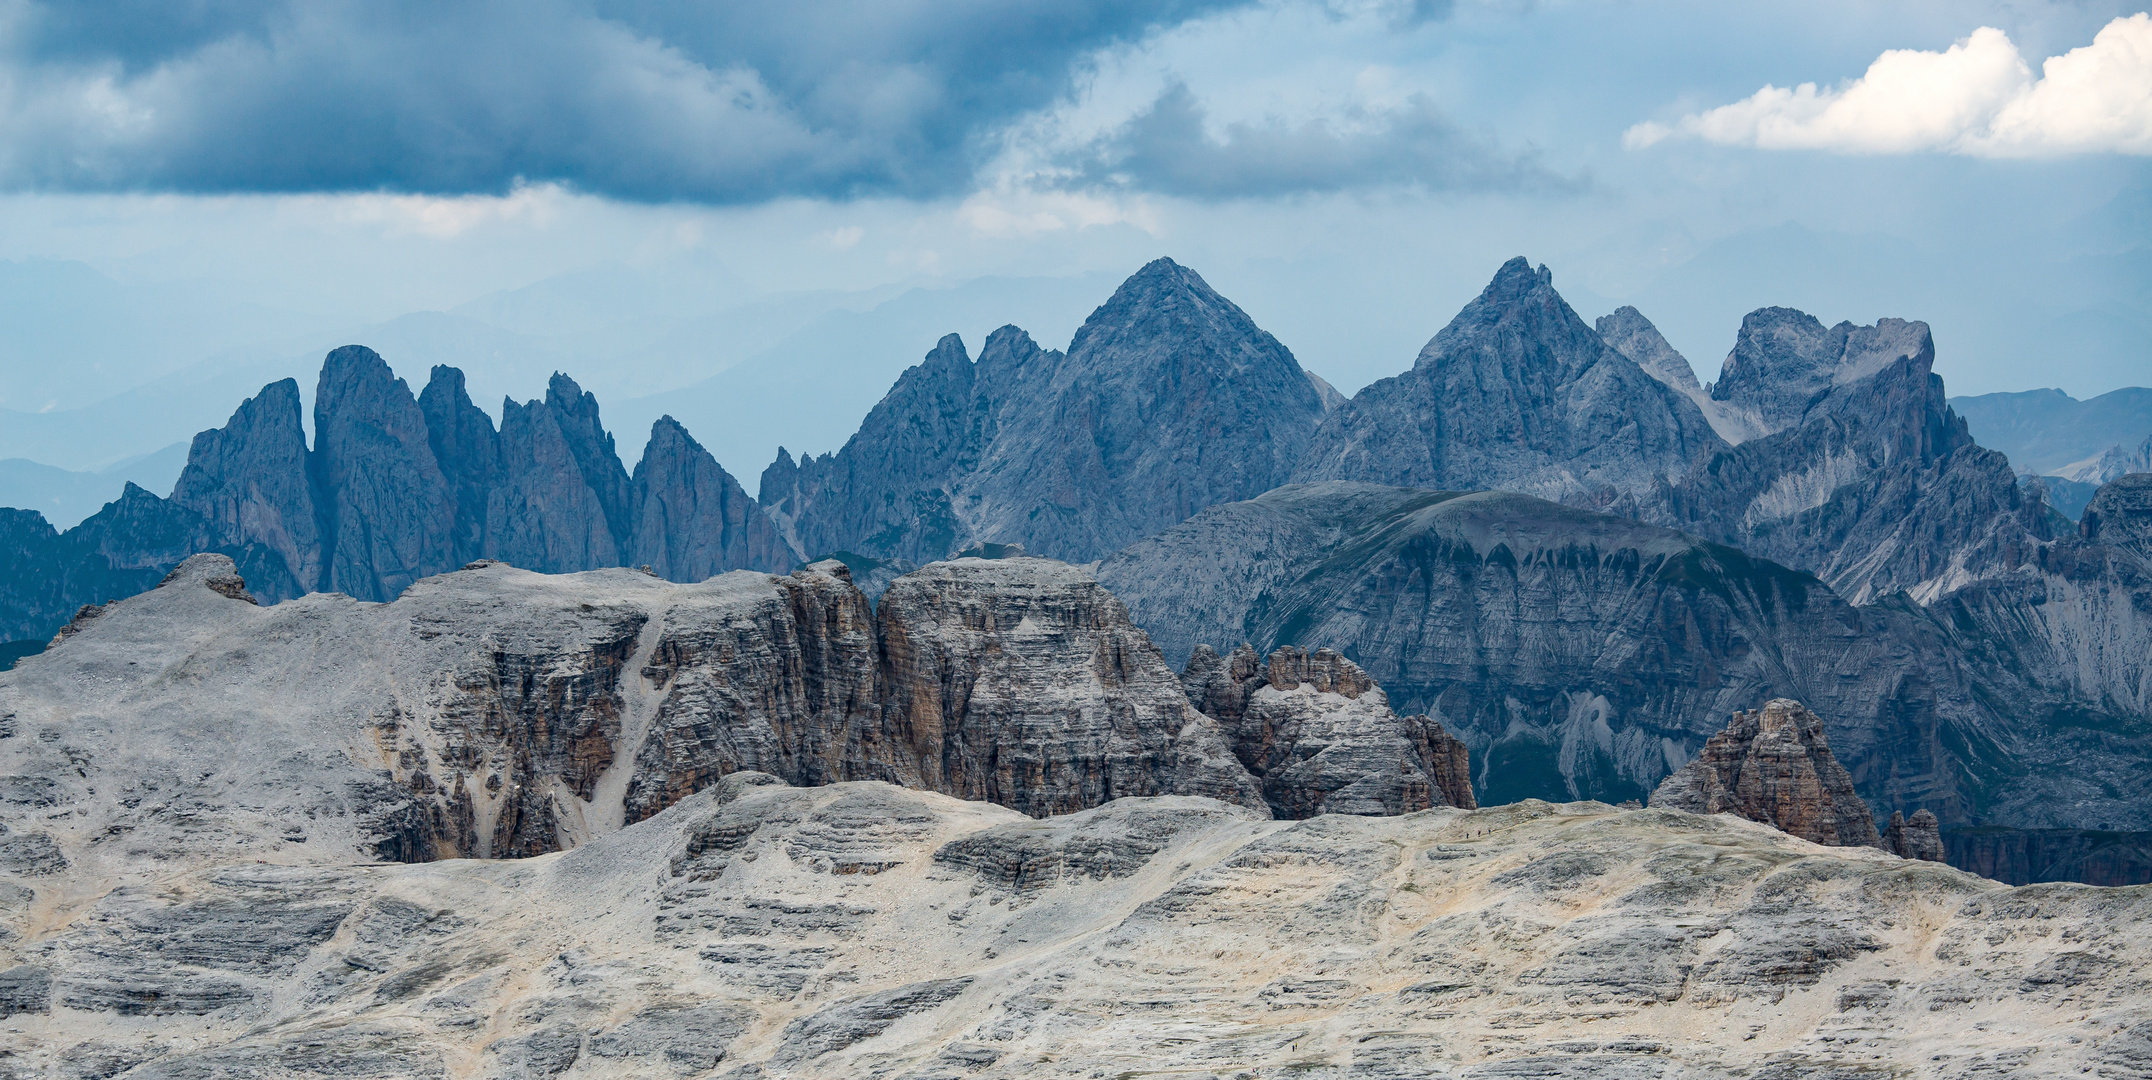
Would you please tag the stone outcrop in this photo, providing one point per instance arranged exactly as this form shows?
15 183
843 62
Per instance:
1169 399
757 929
1633 335
2120 515
1023 682
1774 765
1320 737
1919 838
1517 393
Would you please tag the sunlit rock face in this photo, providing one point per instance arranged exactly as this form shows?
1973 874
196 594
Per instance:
1774 765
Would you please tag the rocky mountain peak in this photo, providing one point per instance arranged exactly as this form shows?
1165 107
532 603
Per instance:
1517 392
250 478
1774 765
691 520
1635 337
2120 514
1170 399
1785 361
388 514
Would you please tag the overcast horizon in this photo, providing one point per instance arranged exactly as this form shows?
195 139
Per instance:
194 200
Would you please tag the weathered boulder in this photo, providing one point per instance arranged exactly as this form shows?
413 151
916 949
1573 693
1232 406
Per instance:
1320 737
1774 765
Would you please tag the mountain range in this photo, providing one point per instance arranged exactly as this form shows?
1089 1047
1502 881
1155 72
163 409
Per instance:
1648 553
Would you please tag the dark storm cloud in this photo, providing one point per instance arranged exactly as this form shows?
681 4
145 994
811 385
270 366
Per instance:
1166 149
636 99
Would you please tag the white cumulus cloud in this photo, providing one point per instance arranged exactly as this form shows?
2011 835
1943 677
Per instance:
1977 97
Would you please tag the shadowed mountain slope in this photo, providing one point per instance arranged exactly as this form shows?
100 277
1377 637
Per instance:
1582 653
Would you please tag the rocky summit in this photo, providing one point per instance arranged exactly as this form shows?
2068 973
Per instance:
758 930
1169 399
394 489
1774 765
1518 393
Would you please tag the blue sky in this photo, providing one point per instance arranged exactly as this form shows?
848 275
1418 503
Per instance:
650 194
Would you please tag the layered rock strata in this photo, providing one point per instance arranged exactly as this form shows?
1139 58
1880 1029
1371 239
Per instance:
496 712
1774 765
760 930
1579 654
1318 734
1023 682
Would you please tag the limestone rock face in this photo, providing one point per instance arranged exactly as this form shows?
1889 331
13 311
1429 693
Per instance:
1516 393
1582 655
250 478
1169 399
1023 682
388 514
759 679
691 520
1774 765
2120 515
757 929
1320 737
493 712
1863 476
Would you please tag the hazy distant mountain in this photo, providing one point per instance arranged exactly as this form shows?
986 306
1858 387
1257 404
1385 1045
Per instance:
65 496
1516 393
2046 431
809 388
1169 399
